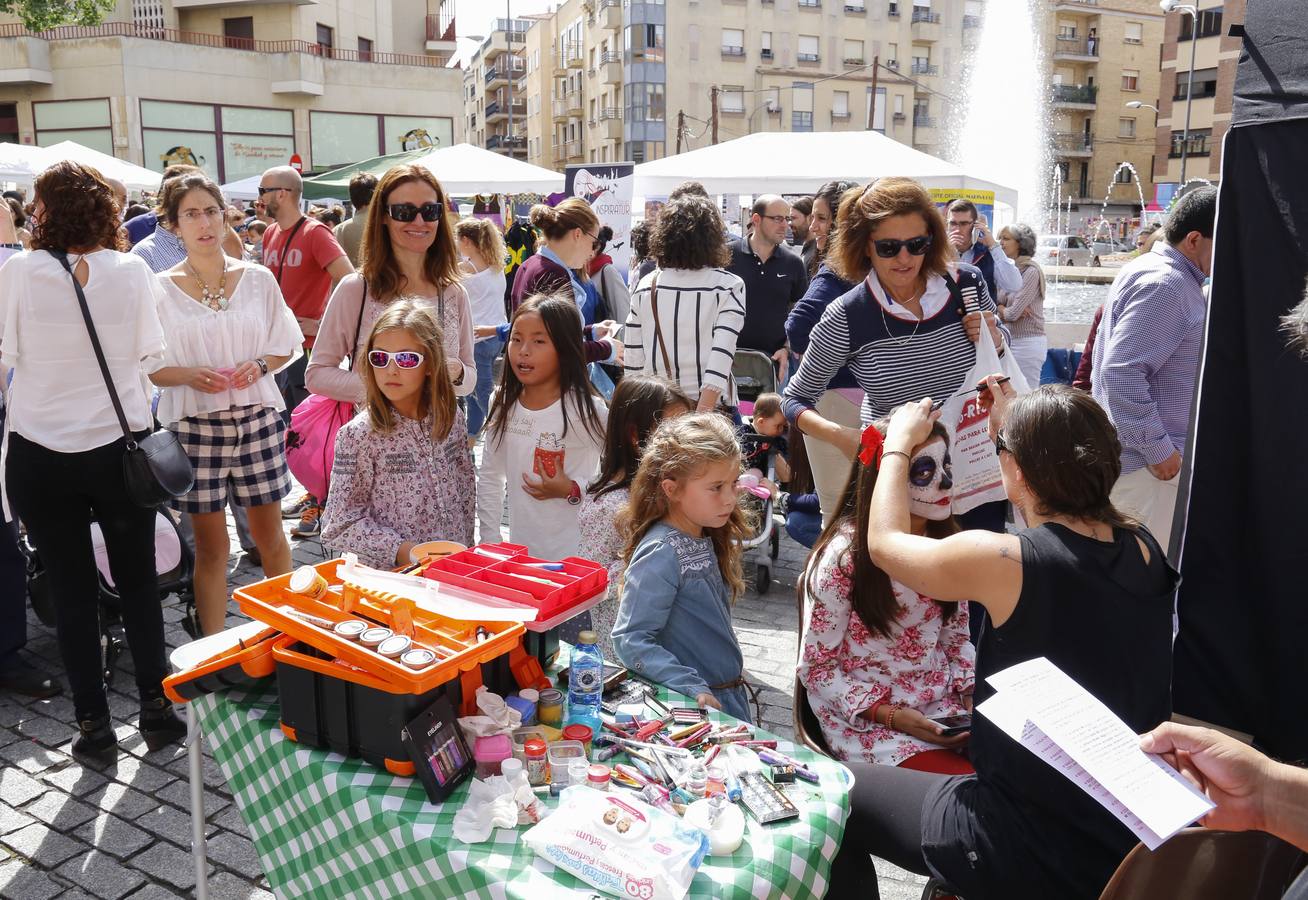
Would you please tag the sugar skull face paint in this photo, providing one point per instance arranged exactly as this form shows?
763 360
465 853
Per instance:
930 482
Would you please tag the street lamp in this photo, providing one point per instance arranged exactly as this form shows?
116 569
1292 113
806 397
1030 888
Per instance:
772 106
1136 104
1169 6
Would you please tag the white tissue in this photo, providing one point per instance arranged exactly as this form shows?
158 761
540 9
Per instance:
498 717
490 805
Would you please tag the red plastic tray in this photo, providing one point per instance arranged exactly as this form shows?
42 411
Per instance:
511 579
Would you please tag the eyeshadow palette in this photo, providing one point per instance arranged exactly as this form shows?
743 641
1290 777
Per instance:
764 800
440 755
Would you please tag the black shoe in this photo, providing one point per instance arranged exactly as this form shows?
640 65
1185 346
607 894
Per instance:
96 740
159 724
19 678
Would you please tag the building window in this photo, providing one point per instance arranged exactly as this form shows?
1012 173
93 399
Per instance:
1130 79
801 116
1134 33
85 121
732 99
1123 175
808 48
1064 172
733 42
854 52
644 43
365 50
899 105
229 142
1205 83
9 123
765 45
1198 143
1126 128
840 105
325 40
1210 24
644 102
1066 31
238 33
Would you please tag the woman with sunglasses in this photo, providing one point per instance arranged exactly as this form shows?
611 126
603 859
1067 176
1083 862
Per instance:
408 253
229 331
402 473
902 331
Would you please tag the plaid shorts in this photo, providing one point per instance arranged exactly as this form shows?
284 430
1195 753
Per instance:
244 448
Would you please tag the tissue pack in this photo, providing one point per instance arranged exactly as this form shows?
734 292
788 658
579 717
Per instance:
620 845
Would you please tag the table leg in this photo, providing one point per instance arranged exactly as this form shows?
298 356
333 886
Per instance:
195 758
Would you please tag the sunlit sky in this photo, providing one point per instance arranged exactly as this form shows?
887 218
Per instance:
477 17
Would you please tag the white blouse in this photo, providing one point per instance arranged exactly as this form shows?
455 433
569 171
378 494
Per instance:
257 322
58 397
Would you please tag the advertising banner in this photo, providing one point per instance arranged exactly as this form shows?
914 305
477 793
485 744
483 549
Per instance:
607 187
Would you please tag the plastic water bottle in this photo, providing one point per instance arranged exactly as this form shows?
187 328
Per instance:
585 681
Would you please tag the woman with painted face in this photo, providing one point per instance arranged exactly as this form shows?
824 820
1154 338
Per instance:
1083 586
880 660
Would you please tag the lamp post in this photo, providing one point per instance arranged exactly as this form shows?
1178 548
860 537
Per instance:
1169 6
771 105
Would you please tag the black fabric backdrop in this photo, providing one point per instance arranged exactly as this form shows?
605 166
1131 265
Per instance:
1242 652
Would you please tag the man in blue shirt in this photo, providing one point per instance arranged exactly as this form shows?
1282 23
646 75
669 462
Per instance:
971 237
1146 358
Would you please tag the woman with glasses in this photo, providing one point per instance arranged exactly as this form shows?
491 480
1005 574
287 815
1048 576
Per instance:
228 331
904 330
409 253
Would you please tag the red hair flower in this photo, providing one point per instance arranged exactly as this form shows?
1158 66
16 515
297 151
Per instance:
872 444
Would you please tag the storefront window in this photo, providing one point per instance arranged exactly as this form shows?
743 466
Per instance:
407 132
251 154
85 121
171 148
338 139
228 142
258 121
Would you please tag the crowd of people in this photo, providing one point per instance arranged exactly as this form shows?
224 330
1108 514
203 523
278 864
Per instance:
611 426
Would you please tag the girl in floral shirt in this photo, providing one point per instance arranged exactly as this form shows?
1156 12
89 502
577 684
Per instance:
640 402
879 660
402 473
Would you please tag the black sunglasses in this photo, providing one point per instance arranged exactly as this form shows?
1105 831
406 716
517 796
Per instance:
888 248
268 190
1000 446
407 212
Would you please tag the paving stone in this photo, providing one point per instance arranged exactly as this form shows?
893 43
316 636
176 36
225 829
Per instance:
17 788
230 820
171 824
156 892
21 881
12 820
59 707
235 852
164 862
75 779
113 835
50 732
60 811
42 845
101 875
226 886
142 776
213 773
179 794
121 800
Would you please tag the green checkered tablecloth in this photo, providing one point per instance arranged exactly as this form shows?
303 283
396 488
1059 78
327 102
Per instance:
330 827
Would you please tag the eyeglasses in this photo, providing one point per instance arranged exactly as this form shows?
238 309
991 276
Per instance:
268 190
888 248
405 359
407 212
196 215
1000 446
780 220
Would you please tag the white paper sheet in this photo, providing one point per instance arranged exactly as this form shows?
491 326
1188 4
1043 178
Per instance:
1051 715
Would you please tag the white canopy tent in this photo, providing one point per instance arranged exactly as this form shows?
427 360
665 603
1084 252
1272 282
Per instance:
21 163
245 189
787 162
465 170
135 177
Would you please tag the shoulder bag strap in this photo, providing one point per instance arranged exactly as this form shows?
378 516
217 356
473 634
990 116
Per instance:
658 327
358 327
286 248
62 256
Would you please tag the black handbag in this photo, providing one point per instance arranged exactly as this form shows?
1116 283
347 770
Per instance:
156 467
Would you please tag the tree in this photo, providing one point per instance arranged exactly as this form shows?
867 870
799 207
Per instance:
38 15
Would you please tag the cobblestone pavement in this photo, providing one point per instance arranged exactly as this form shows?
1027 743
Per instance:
69 830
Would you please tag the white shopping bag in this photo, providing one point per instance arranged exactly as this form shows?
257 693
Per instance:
975 464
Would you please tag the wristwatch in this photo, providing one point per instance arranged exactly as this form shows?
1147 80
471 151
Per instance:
262 364
574 495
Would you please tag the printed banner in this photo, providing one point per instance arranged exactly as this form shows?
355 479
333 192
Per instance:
984 200
608 188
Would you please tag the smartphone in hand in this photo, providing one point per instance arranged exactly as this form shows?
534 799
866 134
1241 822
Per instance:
953 725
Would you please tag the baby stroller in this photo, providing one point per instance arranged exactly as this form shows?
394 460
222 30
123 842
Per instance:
754 374
173 560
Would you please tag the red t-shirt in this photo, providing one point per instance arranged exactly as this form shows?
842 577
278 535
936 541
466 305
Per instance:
304 280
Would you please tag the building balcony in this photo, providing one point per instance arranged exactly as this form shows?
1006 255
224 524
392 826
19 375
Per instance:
1074 143
441 34
854 9
1075 49
201 4
572 103
501 42
810 4
808 57
925 25
730 52
840 115
923 122
500 75
609 125
560 109
25 60
854 61
573 152
1076 6
610 15
494 112
610 67
507 144
1074 96
924 69
570 56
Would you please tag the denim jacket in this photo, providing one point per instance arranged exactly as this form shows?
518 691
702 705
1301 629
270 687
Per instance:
674 621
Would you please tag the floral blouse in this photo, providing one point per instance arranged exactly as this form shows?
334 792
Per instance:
601 543
390 488
927 663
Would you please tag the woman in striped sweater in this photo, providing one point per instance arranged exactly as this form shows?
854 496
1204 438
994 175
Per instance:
906 329
686 314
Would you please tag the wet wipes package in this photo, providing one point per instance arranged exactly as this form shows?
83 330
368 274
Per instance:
620 845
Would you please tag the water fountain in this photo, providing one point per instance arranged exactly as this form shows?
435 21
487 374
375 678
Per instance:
1005 135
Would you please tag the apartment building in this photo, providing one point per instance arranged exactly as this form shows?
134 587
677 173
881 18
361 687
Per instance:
494 101
238 86
607 81
1215 56
1104 57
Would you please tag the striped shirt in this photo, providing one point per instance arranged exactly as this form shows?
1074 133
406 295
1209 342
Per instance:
161 250
1146 354
700 314
894 358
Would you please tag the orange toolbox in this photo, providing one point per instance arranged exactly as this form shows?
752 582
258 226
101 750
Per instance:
337 693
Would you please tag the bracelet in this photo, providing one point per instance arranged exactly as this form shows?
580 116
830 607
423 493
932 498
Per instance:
886 453
890 719
262 364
